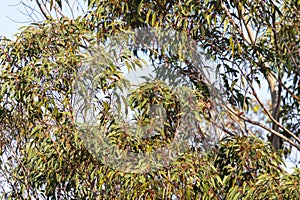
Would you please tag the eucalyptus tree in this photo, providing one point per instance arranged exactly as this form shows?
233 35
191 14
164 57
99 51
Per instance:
47 153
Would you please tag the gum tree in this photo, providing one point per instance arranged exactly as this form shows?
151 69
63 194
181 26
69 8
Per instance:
252 43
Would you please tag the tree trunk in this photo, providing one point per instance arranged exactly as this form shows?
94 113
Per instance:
275 99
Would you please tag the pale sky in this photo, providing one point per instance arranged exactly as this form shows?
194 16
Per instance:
11 17
14 15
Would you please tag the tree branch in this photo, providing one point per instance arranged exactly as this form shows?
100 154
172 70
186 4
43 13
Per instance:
271 131
275 92
269 114
44 12
285 87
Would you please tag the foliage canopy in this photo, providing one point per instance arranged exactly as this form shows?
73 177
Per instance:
43 153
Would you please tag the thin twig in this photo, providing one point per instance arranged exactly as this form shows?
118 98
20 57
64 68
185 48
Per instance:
59 11
271 131
42 10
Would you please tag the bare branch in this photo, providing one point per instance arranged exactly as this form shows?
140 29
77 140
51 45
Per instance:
286 88
248 28
270 116
43 10
262 126
271 131
221 128
58 10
